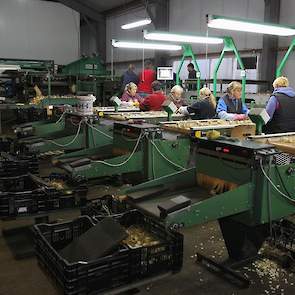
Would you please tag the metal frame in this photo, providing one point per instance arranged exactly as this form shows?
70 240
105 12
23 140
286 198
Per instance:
229 46
188 52
285 58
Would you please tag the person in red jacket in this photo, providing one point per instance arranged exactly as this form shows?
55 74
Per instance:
154 101
146 78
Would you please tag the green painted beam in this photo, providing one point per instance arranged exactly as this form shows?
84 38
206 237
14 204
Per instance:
226 204
229 46
285 58
188 53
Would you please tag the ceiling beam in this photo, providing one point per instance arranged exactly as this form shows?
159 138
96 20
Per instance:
83 9
127 6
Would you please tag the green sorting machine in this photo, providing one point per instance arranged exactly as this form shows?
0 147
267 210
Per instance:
139 148
244 184
145 149
71 132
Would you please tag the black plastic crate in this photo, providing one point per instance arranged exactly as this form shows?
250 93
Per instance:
14 165
152 260
27 194
104 206
123 267
5 144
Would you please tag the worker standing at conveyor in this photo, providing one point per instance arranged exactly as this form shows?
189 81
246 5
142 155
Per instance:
129 76
230 106
192 74
204 108
146 78
281 107
175 96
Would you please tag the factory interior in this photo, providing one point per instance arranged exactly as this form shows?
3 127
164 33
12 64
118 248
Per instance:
147 147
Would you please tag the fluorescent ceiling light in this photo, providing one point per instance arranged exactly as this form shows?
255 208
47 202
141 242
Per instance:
5 67
136 24
163 36
252 26
143 45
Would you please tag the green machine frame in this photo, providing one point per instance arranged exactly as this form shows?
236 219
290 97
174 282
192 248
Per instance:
245 211
229 46
62 136
285 58
188 53
149 155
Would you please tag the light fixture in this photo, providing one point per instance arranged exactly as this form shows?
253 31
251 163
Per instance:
139 23
143 45
182 38
252 26
5 67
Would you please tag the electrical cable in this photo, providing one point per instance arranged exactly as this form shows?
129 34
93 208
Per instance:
69 143
73 123
274 186
125 161
168 160
282 182
62 115
99 131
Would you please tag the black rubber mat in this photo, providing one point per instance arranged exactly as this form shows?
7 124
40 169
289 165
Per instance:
98 241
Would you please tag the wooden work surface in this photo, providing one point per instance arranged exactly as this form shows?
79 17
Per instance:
198 125
112 109
285 142
140 115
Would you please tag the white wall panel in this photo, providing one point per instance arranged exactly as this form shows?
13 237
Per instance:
36 29
190 16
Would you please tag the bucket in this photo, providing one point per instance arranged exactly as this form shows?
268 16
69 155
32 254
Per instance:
85 104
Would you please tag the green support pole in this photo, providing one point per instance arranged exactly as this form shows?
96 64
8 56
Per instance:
285 58
188 52
229 46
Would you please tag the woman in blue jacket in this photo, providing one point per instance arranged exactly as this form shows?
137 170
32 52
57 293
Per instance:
230 106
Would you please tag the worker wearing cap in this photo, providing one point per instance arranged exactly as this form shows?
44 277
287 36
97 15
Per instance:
281 107
154 101
230 106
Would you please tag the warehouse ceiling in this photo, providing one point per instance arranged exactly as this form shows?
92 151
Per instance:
93 7
102 6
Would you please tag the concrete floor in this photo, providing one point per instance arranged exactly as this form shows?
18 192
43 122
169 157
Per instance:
19 277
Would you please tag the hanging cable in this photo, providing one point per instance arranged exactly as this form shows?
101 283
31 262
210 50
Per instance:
60 118
163 156
274 186
69 143
99 131
125 161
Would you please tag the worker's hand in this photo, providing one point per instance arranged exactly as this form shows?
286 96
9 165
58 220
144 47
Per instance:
183 111
240 117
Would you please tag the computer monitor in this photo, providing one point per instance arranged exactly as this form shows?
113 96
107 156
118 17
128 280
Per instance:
164 73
